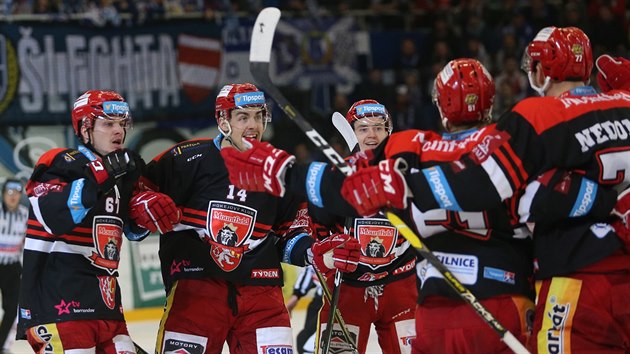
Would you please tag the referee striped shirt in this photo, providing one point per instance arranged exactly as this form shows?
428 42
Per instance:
12 233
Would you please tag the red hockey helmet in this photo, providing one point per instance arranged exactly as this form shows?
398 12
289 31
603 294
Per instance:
565 54
98 104
369 108
237 96
463 92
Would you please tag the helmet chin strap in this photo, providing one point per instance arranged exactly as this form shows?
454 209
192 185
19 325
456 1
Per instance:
542 89
228 135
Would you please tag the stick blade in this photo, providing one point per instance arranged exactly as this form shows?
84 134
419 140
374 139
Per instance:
345 129
262 35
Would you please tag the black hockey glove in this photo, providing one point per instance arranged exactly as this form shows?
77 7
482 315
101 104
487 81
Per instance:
111 167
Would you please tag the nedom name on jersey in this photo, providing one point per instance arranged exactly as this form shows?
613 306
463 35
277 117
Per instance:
600 133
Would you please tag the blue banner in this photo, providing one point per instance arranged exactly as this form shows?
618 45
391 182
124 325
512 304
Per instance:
167 70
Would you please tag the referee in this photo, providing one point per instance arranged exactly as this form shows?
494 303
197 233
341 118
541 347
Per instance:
13 218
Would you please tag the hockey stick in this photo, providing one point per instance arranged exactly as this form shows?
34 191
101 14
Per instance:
139 349
335 300
345 129
337 313
260 56
462 291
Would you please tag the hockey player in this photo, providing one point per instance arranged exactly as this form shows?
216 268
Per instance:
500 248
69 297
221 265
13 218
382 291
582 268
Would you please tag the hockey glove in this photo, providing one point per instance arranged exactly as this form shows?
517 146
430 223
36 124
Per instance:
622 211
111 167
360 159
338 251
154 211
260 169
376 187
614 73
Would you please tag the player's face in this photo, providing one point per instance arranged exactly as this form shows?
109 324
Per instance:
246 123
370 131
108 135
11 198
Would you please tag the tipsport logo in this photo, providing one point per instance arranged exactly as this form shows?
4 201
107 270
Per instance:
115 107
371 108
249 98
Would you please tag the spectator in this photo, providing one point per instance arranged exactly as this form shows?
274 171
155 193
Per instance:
21 7
608 34
374 86
408 60
509 48
515 79
13 218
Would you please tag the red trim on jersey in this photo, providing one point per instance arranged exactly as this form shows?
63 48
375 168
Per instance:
34 222
408 141
517 162
77 238
40 233
86 230
506 164
48 157
194 222
264 227
536 110
195 212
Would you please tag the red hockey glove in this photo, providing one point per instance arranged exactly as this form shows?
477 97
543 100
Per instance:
259 169
375 187
360 159
338 251
154 211
111 167
622 210
614 73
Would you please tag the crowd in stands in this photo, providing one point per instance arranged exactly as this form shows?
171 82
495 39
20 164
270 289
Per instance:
494 31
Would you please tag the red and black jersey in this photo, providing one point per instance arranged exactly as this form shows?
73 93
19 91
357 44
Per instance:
225 232
580 130
489 251
73 242
385 255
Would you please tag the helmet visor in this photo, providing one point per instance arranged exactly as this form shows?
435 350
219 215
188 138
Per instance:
527 64
117 111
